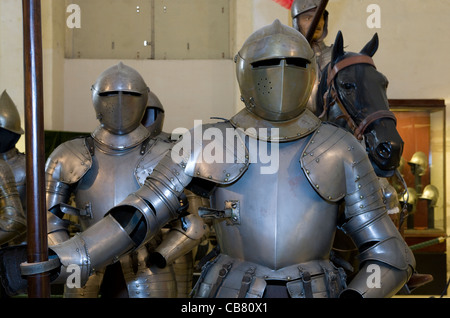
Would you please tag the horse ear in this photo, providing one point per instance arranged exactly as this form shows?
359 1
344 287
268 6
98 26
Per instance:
371 47
338 48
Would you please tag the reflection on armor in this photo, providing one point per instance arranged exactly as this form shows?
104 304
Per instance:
265 222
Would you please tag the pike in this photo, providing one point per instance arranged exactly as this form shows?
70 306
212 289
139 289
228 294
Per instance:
315 21
37 246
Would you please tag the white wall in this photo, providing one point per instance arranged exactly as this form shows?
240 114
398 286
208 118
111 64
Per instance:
189 90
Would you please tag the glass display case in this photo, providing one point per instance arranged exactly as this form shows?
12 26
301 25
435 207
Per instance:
421 124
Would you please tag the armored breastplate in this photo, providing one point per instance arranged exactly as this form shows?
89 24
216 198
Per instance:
114 175
280 217
16 161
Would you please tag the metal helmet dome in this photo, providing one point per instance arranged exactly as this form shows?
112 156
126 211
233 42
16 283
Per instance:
120 97
276 70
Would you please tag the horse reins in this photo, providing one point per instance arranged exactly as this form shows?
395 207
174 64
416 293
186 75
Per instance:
358 130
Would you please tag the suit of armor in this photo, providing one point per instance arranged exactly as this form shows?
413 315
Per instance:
275 227
102 169
12 217
321 50
10 132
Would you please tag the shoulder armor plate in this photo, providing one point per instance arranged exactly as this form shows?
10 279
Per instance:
215 152
69 161
156 149
328 160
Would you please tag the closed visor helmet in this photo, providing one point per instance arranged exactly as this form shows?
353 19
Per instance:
431 193
9 115
276 70
120 97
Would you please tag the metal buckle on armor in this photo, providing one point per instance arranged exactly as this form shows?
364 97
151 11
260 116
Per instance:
230 213
62 208
246 281
335 281
307 286
222 274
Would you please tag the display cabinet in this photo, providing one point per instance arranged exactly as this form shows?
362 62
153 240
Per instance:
421 124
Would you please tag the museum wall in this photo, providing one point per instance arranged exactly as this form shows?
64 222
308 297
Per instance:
413 54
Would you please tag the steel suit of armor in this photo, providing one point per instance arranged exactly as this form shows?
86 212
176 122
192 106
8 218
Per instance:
10 132
273 229
321 50
103 169
12 218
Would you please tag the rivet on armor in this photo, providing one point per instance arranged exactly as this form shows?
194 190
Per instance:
304 154
312 141
311 154
361 197
317 160
209 177
307 171
227 174
329 198
226 179
359 186
361 206
317 186
198 173
357 178
349 148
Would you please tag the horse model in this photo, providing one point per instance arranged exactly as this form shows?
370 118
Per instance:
352 94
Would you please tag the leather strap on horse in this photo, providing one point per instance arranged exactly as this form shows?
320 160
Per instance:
357 59
358 130
370 119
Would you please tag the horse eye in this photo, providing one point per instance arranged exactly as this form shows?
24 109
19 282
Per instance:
349 85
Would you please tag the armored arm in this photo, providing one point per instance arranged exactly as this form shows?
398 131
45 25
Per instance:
333 154
386 261
128 225
66 165
12 217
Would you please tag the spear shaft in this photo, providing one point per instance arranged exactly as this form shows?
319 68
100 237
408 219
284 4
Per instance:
37 246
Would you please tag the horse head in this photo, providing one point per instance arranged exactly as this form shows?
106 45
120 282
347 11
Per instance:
352 94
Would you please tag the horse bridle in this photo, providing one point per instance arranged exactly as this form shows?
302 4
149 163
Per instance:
358 130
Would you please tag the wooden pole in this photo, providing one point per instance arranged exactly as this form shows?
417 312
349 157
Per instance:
315 21
37 248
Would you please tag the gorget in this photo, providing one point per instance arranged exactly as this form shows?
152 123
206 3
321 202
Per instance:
120 142
277 131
